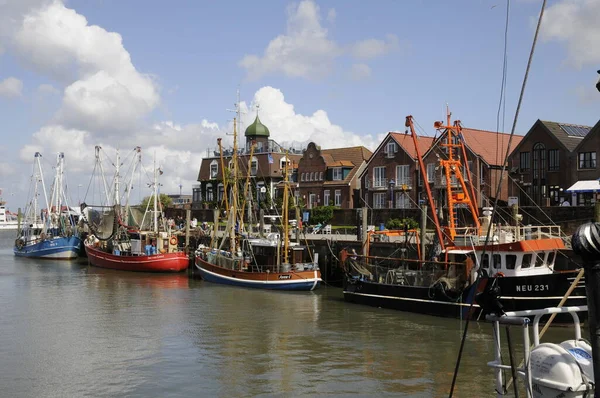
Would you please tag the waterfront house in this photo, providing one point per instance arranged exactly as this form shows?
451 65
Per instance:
389 178
264 164
330 176
485 152
551 158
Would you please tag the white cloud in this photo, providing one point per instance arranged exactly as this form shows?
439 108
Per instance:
11 87
288 127
104 90
331 15
575 23
47 89
372 48
306 50
360 72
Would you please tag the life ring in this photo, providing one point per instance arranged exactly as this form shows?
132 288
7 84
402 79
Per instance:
173 240
498 274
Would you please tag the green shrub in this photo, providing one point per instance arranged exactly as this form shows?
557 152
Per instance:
399 223
321 214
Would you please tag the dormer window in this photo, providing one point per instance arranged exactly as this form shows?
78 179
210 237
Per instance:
337 174
282 163
214 169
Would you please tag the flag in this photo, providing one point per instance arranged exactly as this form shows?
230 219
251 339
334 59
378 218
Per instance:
270 158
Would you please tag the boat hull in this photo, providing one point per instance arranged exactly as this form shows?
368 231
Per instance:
293 280
59 248
516 294
167 262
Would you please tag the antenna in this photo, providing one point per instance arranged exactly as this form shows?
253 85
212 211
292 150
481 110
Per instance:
237 111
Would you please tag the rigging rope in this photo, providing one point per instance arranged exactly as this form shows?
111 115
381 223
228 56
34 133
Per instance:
535 37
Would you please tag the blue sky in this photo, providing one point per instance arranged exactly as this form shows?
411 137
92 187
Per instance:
336 72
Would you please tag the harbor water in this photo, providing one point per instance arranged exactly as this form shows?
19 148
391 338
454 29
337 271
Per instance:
71 330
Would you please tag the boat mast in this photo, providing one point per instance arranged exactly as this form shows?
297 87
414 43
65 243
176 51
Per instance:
138 151
436 221
285 210
99 163
234 191
155 227
452 167
223 173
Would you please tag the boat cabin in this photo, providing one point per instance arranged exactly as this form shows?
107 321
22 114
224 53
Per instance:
506 263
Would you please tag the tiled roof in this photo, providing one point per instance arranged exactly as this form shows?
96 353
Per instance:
353 156
406 142
570 142
491 146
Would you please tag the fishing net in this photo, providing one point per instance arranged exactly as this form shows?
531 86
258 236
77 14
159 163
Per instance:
100 221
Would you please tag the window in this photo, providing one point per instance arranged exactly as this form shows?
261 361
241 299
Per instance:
302 176
379 177
402 175
312 175
539 259
402 200
209 193
524 161
282 163
550 260
320 176
379 201
326 197
553 161
430 172
526 261
337 174
214 169
497 258
197 195
485 261
338 197
587 160
220 192
539 161
511 261
253 166
390 149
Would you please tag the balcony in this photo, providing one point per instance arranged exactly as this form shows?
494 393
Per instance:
379 184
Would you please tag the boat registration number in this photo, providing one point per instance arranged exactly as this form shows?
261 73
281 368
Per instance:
533 288
285 277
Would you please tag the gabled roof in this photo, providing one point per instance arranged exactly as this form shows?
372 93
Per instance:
570 142
488 145
406 143
491 146
594 130
346 157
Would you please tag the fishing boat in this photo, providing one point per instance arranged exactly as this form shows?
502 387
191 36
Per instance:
264 262
50 232
126 237
511 263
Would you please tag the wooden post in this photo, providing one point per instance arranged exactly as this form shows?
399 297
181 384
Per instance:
423 230
297 223
214 239
19 219
597 211
365 235
188 215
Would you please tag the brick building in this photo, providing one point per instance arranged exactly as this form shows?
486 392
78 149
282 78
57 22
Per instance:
330 176
486 151
265 168
389 177
551 158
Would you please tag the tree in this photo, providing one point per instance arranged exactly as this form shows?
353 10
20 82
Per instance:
164 199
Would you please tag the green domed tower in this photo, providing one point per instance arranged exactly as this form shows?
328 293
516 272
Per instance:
259 133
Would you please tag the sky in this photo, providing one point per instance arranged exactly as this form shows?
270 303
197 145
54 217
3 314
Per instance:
164 75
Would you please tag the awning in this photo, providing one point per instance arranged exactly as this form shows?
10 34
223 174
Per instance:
585 186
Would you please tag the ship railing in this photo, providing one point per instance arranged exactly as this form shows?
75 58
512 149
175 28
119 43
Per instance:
508 233
523 319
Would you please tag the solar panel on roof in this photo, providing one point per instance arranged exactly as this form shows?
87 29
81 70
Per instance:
575 131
